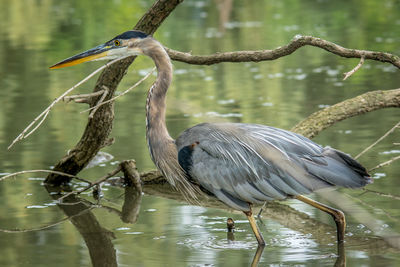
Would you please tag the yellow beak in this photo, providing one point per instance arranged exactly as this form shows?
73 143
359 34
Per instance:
98 52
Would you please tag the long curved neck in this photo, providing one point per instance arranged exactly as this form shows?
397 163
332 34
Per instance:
160 143
156 98
162 147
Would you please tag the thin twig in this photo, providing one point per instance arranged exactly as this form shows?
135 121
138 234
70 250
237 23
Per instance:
370 206
382 194
47 171
384 163
78 98
380 139
38 125
45 226
123 93
356 68
105 93
23 135
104 178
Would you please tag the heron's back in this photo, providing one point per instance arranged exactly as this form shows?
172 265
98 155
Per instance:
250 163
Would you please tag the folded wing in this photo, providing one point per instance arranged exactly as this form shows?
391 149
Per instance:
250 163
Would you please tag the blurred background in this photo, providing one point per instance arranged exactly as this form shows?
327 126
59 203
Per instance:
36 34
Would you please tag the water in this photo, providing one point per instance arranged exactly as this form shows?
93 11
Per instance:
36 34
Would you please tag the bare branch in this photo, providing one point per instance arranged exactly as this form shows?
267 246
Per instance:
132 176
356 68
38 125
358 199
82 98
381 194
44 114
377 141
293 45
385 163
103 96
348 108
123 93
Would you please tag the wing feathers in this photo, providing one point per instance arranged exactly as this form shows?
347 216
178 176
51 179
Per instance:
248 163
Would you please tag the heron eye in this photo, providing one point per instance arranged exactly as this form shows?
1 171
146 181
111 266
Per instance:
117 43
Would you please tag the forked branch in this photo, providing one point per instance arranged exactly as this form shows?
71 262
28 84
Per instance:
356 68
91 185
131 178
123 93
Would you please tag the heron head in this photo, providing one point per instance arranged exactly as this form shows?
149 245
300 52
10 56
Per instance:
129 43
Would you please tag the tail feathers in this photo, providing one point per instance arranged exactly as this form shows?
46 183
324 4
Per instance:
355 165
351 164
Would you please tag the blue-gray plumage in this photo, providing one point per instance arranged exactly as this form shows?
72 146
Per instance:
248 163
240 164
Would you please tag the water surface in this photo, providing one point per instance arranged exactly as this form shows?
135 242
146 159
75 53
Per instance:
36 34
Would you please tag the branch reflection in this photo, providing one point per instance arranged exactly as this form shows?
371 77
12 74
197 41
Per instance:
97 238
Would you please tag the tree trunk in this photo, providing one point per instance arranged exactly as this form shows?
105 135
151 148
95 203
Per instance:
99 127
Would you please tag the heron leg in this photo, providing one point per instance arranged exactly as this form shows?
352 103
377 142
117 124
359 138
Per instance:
255 229
261 210
337 215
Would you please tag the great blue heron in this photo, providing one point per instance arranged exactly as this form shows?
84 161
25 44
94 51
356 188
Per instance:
240 164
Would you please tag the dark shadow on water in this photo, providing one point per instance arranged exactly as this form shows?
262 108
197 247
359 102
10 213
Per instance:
341 260
98 239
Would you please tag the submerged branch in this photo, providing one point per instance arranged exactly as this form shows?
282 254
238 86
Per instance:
131 178
296 43
91 185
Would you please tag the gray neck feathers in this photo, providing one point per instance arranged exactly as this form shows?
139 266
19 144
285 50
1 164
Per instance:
161 146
